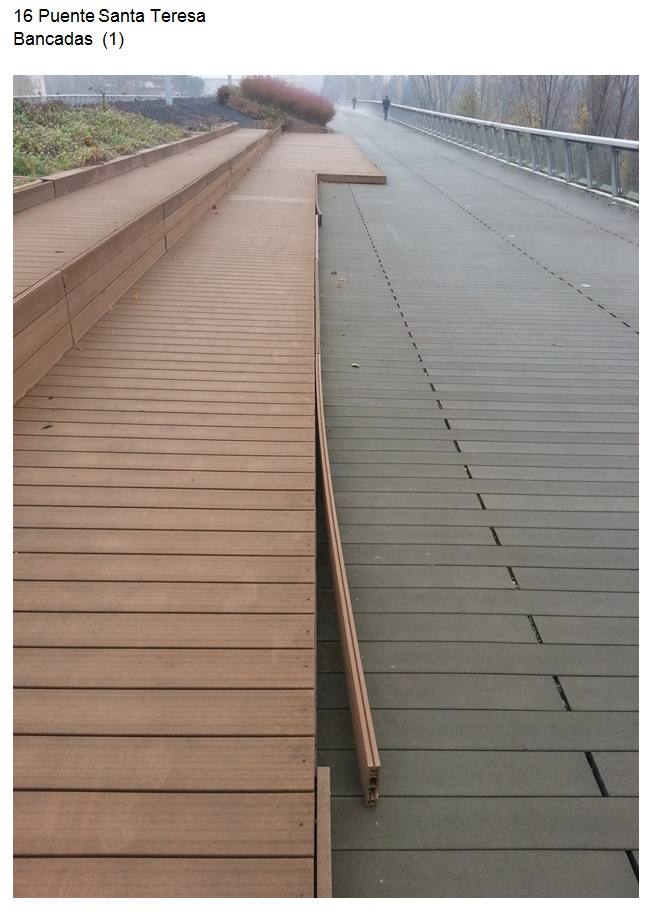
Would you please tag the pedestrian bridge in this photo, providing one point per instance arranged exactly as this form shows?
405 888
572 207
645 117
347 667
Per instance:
451 627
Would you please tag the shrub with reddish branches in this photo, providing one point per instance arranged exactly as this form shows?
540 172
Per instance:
289 98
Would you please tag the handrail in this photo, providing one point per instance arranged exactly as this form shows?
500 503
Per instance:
565 135
603 165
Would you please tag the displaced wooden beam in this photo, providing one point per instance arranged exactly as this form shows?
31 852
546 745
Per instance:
369 763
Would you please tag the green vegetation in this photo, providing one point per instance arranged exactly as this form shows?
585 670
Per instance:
50 137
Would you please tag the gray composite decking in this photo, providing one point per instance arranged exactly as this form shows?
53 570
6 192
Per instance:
484 455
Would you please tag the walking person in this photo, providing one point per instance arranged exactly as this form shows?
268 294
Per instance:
386 106
353 101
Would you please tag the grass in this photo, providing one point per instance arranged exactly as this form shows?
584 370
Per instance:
52 137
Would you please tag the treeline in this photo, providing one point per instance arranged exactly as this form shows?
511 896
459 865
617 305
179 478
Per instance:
606 105
112 84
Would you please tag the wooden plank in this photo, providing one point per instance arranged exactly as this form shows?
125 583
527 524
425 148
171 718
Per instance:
184 461
198 521
33 368
166 497
98 306
88 277
126 629
226 764
114 596
155 668
32 194
41 442
167 712
107 258
163 568
35 300
207 877
105 541
195 395
226 825
39 332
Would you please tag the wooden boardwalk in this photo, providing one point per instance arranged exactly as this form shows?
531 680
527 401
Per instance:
484 458
80 220
165 564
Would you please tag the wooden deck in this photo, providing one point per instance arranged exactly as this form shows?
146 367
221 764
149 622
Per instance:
81 219
165 560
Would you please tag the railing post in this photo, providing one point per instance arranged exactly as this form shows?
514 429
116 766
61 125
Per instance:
588 148
508 145
550 158
532 141
519 148
569 160
615 183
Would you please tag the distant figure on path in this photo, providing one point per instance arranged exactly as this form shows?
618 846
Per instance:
386 106
353 101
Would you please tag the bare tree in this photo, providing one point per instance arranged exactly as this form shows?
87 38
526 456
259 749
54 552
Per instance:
436 91
597 93
627 105
426 90
543 98
447 86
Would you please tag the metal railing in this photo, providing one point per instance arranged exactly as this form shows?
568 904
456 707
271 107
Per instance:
606 165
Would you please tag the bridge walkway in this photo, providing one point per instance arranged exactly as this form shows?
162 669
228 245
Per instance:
479 353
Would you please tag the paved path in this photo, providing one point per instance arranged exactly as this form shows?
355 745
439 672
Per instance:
485 462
